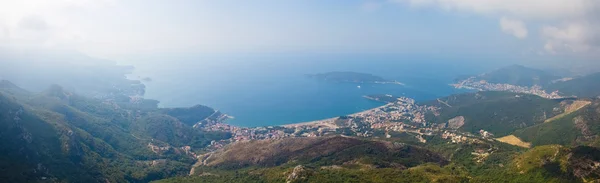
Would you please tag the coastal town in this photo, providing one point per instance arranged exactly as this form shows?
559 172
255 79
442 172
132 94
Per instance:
398 116
397 119
473 84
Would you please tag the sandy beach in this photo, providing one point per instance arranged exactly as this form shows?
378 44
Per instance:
324 122
329 122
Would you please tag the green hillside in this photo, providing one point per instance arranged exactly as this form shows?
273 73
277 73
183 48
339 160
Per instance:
322 152
423 173
541 164
578 128
190 115
565 164
500 113
325 159
57 135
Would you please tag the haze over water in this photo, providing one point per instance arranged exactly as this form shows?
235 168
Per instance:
273 90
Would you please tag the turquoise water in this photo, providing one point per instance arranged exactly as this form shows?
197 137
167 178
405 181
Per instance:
272 90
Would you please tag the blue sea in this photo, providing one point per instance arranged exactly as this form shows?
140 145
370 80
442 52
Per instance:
264 90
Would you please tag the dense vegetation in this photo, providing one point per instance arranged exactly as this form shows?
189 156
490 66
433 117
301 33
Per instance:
191 115
423 173
58 135
506 164
581 127
320 152
500 113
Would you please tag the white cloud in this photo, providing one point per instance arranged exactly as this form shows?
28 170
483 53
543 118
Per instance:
561 32
110 27
575 37
44 24
515 8
513 27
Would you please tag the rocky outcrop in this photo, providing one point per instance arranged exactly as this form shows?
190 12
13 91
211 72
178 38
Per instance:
584 162
456 122
298 174
581 124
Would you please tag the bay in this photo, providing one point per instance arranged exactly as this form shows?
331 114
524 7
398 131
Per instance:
273 90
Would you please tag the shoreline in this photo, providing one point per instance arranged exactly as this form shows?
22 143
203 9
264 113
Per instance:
329 121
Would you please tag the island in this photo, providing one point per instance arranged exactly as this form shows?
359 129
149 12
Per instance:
352 77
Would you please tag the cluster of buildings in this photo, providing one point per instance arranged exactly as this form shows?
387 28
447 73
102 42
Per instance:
401 110
243 133
240 134
217 126
403 115
482 85
214 145
454 138
459 138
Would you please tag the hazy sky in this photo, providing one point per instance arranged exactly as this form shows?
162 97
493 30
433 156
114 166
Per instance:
113 28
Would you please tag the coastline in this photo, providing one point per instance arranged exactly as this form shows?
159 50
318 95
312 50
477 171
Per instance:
326 122
329 122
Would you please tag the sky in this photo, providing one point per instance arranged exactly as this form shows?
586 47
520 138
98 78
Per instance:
113 29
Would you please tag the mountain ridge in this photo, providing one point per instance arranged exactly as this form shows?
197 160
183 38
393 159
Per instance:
96 138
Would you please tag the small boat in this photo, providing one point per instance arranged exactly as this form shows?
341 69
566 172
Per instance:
358 86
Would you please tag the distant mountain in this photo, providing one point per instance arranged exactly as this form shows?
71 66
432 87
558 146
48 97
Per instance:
518 75
7 85
37 70
354 77
585 86
12 89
